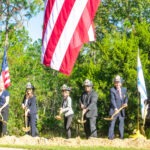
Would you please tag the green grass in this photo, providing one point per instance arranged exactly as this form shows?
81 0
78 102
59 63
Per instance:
29 147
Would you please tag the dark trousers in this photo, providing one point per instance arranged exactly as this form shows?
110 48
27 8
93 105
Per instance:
67 125
28 124
112 126
3 126
32 123
90 127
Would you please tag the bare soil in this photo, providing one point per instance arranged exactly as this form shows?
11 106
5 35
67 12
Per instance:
76 142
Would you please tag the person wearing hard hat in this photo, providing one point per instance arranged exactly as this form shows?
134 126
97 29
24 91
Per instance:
119 98
88 105
66 109
29 105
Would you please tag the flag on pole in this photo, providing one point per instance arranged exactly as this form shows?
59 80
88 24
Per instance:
68 24
141 85
5 76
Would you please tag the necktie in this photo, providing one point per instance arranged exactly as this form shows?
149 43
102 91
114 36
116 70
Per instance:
119 91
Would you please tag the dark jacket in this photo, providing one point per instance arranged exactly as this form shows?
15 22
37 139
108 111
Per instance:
32 105
90 102
117 101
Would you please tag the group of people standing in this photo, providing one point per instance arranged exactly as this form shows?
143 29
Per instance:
87 102
29 105
88 105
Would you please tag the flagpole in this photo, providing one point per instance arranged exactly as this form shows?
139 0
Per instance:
138 113
141 92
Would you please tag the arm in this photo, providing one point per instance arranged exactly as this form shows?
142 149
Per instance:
93 101
69 105
25 101
125 97
5 104
31 105
113 101
24 104
81 102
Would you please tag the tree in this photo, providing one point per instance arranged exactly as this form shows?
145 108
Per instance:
13 13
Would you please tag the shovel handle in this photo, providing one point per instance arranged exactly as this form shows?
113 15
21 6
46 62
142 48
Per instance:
115 113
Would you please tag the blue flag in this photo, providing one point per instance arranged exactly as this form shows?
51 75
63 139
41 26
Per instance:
141 85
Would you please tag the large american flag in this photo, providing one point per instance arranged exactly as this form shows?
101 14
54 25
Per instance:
68 24
5 71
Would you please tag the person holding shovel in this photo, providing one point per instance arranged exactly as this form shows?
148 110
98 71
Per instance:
88 105
29 105
119 99
4 108
66 109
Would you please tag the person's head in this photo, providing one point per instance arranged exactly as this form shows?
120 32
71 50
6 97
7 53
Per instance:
118 81
65 90
29 88
87 85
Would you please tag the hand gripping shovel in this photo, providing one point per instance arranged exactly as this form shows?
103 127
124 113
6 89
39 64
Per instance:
58 117
26 128
81 121
115 113
2 120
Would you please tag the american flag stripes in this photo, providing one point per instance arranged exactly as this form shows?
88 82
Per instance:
5 76
68 24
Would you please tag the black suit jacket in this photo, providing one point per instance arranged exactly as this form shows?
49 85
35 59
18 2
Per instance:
90 102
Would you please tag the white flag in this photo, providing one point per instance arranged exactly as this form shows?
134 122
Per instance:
141 85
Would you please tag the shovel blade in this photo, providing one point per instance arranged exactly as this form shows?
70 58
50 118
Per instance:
81 121
58 117
26 129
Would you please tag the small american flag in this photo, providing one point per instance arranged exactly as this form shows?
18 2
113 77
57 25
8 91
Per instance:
5 71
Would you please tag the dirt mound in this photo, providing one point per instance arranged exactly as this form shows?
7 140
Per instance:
76 142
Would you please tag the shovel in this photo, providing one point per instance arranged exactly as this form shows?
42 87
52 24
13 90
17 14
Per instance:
81 121
58 117
114 114
26 128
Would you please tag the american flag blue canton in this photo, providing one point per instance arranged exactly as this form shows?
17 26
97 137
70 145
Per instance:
5 71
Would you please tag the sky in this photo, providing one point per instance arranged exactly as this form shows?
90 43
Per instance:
34 26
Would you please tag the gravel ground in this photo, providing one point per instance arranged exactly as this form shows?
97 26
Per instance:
75 142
